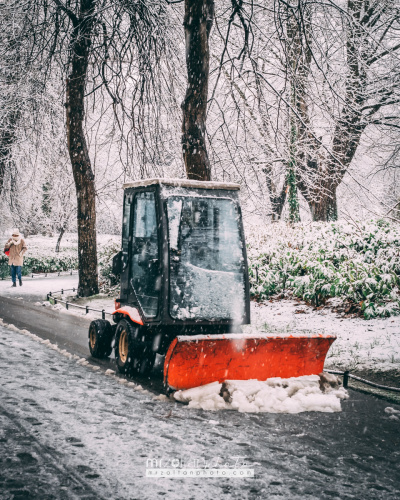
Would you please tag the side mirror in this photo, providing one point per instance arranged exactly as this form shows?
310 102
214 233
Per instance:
117 264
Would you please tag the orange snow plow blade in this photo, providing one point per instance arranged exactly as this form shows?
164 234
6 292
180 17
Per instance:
202 359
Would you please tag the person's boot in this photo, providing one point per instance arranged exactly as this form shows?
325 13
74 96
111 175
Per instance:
20 282
14 284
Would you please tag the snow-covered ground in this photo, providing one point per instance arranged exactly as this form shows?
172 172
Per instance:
361 344
39 286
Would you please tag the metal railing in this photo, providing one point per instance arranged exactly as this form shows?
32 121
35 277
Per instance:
347 375
53 296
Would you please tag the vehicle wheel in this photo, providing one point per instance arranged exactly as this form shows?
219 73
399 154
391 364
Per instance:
100 337
125 347
131 354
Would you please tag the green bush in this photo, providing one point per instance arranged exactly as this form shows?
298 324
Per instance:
359 264
48 264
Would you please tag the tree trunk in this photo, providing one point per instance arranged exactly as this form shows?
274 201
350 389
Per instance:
6 142
298 64
277 203
277 200
7 138
62 231
324 206
291 180
197 22
12 66
78 151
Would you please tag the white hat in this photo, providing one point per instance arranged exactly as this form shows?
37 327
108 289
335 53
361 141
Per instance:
15 232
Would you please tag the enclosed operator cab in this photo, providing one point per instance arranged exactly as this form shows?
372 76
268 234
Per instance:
183 259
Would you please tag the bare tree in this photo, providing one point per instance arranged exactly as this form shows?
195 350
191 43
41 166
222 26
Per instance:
248 130
16 90
198 23
303 81
83 22
96 46
369 32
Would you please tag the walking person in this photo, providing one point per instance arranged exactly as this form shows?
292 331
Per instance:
15 249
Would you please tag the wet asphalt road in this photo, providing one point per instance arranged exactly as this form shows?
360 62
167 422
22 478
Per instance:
66 330
45 452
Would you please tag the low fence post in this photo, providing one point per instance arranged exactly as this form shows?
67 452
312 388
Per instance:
346 379
103 314
87 309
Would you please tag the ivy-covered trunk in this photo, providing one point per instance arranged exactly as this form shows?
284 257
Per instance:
197 22
293 202
297 70
78 151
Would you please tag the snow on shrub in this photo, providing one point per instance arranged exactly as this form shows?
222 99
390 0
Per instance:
359 263
109 282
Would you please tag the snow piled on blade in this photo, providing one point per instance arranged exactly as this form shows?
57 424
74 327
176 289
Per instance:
275 395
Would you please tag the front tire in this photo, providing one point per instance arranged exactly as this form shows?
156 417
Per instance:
100 338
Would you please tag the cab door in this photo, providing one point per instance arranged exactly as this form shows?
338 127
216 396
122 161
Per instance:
126 238
144 268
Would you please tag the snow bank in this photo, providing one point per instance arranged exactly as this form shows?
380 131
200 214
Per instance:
275 395
359 344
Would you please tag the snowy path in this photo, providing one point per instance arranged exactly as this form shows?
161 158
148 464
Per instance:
67 330
36 288
92 434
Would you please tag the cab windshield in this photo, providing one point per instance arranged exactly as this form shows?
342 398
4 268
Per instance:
206 259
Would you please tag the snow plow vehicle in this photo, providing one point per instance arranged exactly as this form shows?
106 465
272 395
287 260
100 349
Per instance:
185 292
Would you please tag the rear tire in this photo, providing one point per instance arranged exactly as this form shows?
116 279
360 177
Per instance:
100 338
132 356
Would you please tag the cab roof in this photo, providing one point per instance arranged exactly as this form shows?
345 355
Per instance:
183 183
